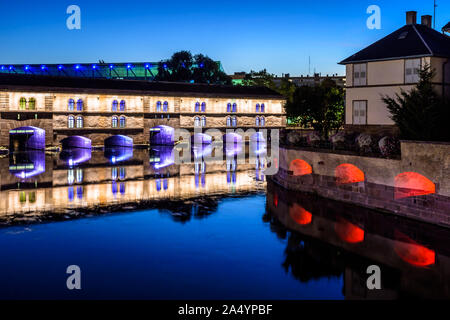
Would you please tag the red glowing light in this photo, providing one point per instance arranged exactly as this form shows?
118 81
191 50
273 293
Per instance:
300 215
348 232
300 167
410 184
348 173
413 253
275 199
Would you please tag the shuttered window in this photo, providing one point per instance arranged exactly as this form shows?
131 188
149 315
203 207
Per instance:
360 74
360 112
412 68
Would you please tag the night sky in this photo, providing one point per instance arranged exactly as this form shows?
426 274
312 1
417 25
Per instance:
243 35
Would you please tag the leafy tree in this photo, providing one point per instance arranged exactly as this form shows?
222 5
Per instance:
183 67
420 114
320 107
261 78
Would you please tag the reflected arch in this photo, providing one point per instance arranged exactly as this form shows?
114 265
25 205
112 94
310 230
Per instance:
412 252
75 156
410 184
201 138
28 164
162 136
347 173
300 167
348 231
232 144
26 138
76 142
119 141
299 214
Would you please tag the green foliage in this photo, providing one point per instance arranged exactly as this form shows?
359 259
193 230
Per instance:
261 78
183 67
319 107
420 114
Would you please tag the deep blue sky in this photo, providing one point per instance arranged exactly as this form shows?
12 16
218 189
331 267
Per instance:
244 35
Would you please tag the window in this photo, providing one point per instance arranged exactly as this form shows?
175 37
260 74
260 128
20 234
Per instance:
165 106
115 103
263 107
203 106
79 122
412 68
360 112
197 107
359 74
158 106
233 122
70 176
122 122
203 121
79 175
234 107
71 105
114 173
80 105
71 122
229 107
228 121
257 121
262 122
257 107
122 173
22 103
123 105
114 122
196 122
32 104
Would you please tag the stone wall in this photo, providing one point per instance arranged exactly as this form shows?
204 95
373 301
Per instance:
7 125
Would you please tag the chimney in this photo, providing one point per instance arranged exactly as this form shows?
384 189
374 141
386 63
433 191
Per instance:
411 17
426 21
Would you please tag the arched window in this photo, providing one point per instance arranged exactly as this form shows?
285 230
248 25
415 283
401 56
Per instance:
257 121
234 122
122 122
203 106
114 173
196 122
197 107
115 103
262 107
71 122
229 107
22 103
71 105
123 105
203 121
165 106
114 122
80 105
79 175
158 106
122 173
257 107
32 104
79 122
234 107
228 121
262 122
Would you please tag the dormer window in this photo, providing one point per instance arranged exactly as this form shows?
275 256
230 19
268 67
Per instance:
412 68
360 74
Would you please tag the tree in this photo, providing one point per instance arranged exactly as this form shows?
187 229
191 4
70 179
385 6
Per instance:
183 67
420 114
261 78
320 107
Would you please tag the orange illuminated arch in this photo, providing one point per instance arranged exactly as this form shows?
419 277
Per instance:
348 173
348 231
300 167
413 253
410 184
300 215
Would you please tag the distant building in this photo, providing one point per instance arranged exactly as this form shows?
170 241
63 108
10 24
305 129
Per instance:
390 65
317 79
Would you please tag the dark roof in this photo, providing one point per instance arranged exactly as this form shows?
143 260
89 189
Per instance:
50 83
446 28
409 41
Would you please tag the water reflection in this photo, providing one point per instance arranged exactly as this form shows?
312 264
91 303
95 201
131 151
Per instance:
328 238
81 178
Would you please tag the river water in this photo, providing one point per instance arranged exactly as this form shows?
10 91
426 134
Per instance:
141 227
